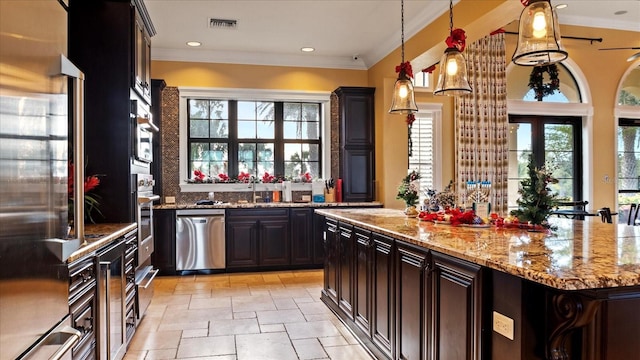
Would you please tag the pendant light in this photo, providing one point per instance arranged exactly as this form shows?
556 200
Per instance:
452 79
539 40
403 101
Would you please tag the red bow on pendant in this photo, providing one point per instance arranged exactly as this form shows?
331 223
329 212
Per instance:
457 39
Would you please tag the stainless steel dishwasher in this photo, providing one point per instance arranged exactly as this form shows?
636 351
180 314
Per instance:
200 239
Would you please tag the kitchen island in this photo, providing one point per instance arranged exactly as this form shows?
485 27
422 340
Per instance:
412 290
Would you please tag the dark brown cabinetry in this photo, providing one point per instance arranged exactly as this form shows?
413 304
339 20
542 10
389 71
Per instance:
362 279
142 58
83 306
402 300
103 46
331 259
302 236
382 293
164 241
411 296
345 268
257 238
355 152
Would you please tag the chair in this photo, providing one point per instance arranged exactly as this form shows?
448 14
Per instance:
572 209
633 214
605 215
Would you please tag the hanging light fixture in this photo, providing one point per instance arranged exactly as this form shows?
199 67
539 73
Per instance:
452 79
403 101
539 41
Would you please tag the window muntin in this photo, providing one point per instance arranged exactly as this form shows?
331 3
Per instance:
249 136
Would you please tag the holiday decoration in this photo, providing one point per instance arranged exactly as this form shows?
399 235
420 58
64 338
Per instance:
536 200
536 80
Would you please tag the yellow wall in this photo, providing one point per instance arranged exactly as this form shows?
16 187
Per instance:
197 74
603 70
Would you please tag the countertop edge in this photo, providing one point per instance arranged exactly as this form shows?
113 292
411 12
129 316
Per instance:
111 232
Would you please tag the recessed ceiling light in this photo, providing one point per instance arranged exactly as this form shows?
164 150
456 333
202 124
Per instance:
194 43
307 49
561 6
621 12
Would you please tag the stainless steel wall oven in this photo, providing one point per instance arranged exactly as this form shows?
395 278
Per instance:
145 273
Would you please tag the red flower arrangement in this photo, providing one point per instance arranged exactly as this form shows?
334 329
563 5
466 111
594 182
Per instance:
457 39
90 200
244 177
266 178
198 175
306 177
223 177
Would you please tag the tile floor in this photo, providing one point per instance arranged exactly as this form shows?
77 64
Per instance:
244 316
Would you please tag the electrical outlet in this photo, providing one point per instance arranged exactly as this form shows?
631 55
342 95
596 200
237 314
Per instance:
503 325
170 199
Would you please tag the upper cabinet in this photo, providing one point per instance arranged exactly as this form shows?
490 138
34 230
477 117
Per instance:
352 156
104 43
142 58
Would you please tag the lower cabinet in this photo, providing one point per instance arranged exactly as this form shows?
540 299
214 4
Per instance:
163 257
83 306
403 301
382 293
411 295
302 236
257 238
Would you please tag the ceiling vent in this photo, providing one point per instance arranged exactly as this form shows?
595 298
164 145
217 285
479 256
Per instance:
222 24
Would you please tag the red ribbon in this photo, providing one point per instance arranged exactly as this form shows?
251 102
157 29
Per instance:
430 69
405 68
524 2
457 39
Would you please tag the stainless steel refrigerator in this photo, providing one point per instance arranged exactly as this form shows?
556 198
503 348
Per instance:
34 150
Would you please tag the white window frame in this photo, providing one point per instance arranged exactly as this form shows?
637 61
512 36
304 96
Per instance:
435 109
322 97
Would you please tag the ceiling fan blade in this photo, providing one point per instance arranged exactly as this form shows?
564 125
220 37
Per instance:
634 56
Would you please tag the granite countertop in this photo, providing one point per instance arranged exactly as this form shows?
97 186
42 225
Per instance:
269 205
100 235
578 255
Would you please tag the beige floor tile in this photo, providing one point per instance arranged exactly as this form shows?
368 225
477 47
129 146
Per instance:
161 354
285 304
265 346
351 352
237 291
135 355
155 340
182 316
210 303
316 329
280 316
207 346
266 328
333 341
191 333
252 303
185 325
244 315
233 327
309 349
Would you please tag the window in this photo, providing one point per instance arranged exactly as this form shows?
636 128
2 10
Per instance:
552 141
628 169
518 85
425 155
234 136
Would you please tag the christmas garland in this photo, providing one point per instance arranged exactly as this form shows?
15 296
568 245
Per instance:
537 84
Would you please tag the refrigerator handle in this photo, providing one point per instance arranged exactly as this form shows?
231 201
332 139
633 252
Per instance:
67 68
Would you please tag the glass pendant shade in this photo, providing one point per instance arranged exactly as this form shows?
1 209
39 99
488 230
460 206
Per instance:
452 79
403 101
539 41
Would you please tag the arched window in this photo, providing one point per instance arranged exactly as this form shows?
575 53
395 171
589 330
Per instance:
518 87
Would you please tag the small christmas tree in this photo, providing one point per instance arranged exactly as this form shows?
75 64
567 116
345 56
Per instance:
536 200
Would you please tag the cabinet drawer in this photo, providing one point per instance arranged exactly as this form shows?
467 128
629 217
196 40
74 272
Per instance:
83 312
258 213
81 275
